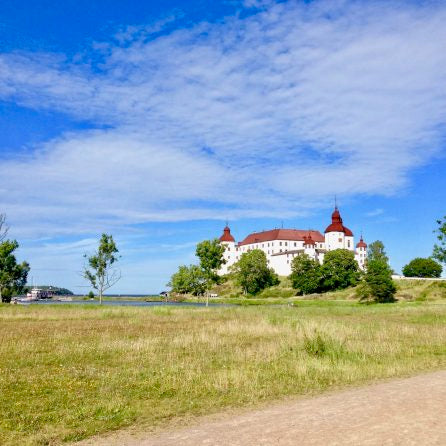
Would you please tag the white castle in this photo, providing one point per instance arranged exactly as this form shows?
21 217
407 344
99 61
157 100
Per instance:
282 245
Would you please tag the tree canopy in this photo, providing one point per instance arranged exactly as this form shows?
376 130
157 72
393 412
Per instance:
439 252
189 280
420 267
376 251
210 254
306 275
377 284
252 273
13 275
100 271
340 270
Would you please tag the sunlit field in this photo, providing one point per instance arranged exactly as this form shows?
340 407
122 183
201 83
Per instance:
68 372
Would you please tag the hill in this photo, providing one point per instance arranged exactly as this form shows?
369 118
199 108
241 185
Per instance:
407 290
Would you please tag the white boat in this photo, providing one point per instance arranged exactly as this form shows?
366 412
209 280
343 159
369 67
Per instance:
38 293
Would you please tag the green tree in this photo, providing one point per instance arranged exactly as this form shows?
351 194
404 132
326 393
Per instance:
189 280
13 275
339 270
252 273
420 267
100 271
376 251
377 284
305 274
91 295
210 254
439 252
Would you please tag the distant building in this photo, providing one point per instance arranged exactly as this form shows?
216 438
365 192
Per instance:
282 245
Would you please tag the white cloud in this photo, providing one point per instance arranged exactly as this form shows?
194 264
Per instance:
375 212
259 116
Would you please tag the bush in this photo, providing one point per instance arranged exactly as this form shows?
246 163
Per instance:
420 267
340 270
252 273
319 346
188 279
306 276
6 295
377 285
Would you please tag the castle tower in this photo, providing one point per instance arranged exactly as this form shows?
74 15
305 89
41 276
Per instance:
338 236
228 241
361 253
310 246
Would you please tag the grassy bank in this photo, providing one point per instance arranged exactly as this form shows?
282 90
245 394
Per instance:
407 291
68 372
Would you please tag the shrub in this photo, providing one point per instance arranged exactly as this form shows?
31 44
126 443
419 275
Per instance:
377 284
252 273
306 276
420 267
340 270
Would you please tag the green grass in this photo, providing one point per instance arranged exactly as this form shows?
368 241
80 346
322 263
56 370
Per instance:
69 372
407 290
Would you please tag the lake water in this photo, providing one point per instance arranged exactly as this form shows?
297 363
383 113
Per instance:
125 303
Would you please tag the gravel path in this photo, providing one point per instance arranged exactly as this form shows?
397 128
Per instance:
405 412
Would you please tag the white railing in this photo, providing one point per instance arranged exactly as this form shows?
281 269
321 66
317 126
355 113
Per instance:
434 279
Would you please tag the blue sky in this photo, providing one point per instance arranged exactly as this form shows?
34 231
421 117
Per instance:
157 121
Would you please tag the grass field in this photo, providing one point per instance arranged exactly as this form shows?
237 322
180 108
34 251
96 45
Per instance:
407 291
68 372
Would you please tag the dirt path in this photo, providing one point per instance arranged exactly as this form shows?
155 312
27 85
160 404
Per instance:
405 412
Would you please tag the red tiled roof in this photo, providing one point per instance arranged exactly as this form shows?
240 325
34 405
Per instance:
347 232
336 224
282 234
309 240
361 243
227 237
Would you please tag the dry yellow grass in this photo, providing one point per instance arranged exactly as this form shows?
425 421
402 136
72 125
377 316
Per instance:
68 372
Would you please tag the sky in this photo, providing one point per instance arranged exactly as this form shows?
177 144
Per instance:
159 121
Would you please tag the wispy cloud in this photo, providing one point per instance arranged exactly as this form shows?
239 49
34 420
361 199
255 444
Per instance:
375 212
265 115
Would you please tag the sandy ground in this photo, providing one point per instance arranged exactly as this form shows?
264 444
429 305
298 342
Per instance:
408 411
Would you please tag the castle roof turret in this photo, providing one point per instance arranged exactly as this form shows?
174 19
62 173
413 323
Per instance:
227 237
361 243
337 224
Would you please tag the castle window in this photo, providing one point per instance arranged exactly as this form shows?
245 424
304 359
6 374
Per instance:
280 250
340 240
280 243
295 244
348 243
286 243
